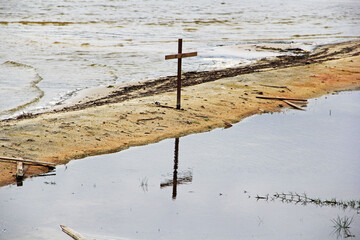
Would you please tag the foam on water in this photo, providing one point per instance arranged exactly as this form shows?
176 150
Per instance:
20 82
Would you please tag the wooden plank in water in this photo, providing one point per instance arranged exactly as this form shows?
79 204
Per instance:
72 233
31 162
293 105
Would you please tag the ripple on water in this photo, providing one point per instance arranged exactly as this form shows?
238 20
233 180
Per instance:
18 82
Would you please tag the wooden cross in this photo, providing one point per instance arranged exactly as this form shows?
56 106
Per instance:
179 56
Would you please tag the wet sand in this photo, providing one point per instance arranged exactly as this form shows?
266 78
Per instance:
125 116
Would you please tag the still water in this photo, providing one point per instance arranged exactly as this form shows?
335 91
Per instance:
51 49
204 186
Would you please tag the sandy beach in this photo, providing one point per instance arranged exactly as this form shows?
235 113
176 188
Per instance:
114 118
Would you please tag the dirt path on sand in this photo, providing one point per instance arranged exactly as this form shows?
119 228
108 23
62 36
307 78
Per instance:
121 117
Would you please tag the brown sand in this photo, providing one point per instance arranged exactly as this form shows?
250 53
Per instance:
142 114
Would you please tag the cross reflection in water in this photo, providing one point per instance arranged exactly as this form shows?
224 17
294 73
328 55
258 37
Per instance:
178 178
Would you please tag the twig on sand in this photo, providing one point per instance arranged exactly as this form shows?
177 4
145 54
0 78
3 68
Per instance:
282 98
164 106
273 86
286 100
149 119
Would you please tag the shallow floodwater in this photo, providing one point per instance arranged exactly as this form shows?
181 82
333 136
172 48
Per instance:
51 49
204 186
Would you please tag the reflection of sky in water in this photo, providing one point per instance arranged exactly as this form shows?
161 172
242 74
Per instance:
314 152
78 44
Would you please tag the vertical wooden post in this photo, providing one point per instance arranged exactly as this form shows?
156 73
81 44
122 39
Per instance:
178 99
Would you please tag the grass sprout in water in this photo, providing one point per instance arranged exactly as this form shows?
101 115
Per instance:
303 199
342 226
144 184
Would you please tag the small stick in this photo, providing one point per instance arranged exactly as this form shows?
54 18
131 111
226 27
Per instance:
164 106
293 105
299 102
201 116
149 119
264 85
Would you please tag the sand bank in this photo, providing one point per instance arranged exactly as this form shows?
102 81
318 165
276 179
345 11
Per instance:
140 114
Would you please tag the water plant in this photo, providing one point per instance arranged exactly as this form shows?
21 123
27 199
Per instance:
342 226
304 200
144 184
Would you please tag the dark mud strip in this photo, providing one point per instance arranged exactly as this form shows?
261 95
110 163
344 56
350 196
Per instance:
168 84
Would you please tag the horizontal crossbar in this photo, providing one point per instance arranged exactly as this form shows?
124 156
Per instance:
181 55
31 162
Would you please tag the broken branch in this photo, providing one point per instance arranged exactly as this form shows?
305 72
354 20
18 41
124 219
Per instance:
282 98
293 105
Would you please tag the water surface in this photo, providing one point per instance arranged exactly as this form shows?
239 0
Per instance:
132 194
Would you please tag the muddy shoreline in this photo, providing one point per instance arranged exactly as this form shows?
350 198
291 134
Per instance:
142 113
168 84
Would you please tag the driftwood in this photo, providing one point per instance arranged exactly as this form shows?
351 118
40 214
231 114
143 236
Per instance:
149 119
30 162
282 98
273 86
72 233
293 105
